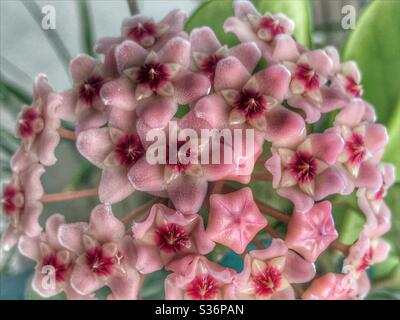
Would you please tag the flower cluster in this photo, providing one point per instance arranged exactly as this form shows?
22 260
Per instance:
144 78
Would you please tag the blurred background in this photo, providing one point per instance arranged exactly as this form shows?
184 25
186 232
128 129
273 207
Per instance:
26 50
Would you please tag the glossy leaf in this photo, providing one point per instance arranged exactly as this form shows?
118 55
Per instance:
375 46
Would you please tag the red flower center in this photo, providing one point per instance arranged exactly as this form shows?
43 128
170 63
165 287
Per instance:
353 88
380 194
307 76
172 238
60 268
8 200
153 75
268 281
90 89
99 262
30 123
250 103
355 148
176 164
210 64
142 30
203 287
303 167
366 260
272 25
129 149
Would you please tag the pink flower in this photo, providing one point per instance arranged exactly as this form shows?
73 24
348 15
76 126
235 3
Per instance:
311 232
363 147
268 273
347 76
149 75
234 219
202 280
307 173
372 203
356 112
37 127
115 149
165 235
207 52
368 250
181 177
47 251
249 25
105 255
332 286
82 103
22 206
251 101
146 32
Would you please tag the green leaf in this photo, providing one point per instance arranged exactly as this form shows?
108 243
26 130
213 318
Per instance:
391 153
350 224
375 46
298 10
213 13
87 27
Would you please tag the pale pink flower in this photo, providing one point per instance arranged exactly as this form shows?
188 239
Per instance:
114 149
333 286
52 260
363 148
251 101
165 235
106 256
311 232
368 250
372 203
234 219
22 205
148 75
356 112
249 25
306 173
182 177
268 273
82 104
37 127
146 32
201 280
207 52
346 76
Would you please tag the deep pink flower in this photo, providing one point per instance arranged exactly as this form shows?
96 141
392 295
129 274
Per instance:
251 101
202 280
307 173
106 256
37 127
47 251
146 32
207 52
82 103
372 203
333 286
22 206
115 149
234 219
249 25
268 273
165 235
149 75
311 232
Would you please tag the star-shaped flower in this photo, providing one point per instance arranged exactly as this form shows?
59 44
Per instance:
234 219
310 233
